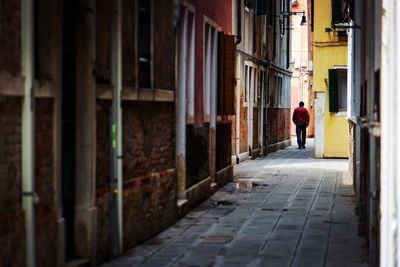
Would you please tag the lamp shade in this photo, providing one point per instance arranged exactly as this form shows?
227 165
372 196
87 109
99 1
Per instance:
303 21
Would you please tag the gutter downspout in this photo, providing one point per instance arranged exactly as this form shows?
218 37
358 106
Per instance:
372 145
27 44
116 133
238 80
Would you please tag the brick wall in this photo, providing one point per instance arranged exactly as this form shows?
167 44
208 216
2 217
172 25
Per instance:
149 206
10 43
46 214
10 154
148 138
12 230
103 110
148 170
278 125
103 199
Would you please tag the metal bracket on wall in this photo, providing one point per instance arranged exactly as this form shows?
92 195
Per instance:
374 127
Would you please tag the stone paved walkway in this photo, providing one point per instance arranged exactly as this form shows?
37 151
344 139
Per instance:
286 209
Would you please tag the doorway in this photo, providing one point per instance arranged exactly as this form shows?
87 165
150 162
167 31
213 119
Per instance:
68 126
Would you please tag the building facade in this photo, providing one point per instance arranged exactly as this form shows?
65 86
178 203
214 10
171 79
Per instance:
302 64
205 57
121 116
330 81
93 117
262 94
371 116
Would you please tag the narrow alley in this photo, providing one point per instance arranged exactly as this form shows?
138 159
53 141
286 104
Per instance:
286 209
160 133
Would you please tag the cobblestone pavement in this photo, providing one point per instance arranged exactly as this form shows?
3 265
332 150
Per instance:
287 209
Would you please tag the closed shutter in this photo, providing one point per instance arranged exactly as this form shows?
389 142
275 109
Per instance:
226 74
336 11
261 7
333 91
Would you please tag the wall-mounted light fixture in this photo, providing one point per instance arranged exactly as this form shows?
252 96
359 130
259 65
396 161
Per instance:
303 16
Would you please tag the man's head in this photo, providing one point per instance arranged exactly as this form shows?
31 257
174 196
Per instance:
301 104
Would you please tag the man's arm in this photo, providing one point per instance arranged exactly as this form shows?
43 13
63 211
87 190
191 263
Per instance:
294 112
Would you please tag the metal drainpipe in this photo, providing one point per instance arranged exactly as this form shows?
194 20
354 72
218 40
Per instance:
238 82
372 145
116 133
28 130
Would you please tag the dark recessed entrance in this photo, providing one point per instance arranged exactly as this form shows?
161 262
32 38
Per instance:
68 125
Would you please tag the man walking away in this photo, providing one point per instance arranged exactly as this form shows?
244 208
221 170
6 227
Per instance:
301 118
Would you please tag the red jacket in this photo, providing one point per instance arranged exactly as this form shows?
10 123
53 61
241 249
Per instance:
300 115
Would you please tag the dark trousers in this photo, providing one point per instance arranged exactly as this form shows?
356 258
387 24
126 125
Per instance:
301 134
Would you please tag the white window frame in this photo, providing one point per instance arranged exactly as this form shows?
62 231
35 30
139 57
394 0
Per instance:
342 113
249 82
188 20
210 55
190 82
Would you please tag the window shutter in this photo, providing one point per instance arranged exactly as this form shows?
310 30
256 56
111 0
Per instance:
270 12
333 91
336 11
226 74
261 7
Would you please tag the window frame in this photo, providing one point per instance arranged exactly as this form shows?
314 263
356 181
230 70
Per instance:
334 72
210 57
137 59
249 82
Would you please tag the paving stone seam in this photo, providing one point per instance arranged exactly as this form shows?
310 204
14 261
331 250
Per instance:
262 247
330 225
148 257
305 222
248 222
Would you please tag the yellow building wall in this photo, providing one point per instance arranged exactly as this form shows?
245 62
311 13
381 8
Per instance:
329 51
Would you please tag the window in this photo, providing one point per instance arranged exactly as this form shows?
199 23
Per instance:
340 13
337 90
186 57
144 43
252 86
248 84
210 66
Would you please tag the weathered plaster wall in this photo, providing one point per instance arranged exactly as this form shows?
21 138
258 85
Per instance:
329 50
